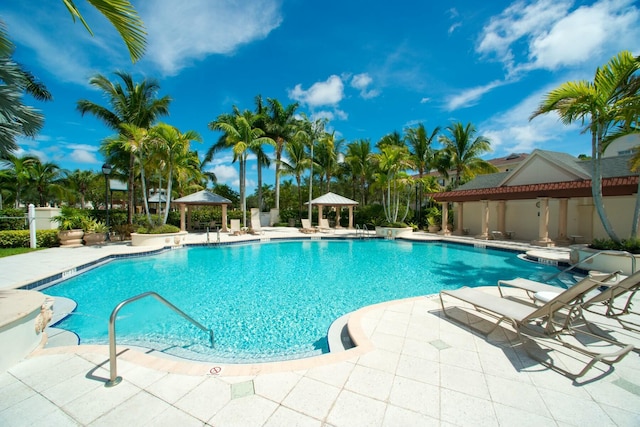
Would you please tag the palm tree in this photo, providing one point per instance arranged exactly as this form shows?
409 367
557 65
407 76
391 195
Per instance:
281 125
134 104
124 19
423 156
327 157
174 146
16 118
18 173
137 143
358 157
392 161
45 177
393 138
79 181
240 133
462 151
295 163
599 106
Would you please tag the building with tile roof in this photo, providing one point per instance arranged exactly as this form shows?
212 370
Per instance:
546 199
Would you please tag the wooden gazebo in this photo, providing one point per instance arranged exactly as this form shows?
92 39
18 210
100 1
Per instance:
337 201
202 198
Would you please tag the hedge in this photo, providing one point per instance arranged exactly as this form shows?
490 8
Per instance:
20 238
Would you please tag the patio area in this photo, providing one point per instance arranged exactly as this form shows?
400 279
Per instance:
412 366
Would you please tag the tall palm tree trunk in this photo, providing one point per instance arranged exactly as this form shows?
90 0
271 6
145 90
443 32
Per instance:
596 187
278 160
131 205
168 201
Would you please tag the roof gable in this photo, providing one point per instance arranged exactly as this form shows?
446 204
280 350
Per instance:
546 167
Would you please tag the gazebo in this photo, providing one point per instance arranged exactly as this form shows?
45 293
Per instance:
206 198
337 201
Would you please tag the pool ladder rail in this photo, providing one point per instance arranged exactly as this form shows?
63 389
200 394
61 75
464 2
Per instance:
114 379
362 232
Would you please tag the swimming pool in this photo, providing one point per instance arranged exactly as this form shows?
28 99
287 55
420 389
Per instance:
270 301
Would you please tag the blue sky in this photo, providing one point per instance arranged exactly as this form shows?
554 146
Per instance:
370 67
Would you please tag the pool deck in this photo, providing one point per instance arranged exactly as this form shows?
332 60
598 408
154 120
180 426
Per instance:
412 366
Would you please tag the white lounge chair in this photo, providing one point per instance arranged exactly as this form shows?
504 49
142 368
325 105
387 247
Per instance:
306 226
531 287
324 226
256 227
538 323
624 291
235 227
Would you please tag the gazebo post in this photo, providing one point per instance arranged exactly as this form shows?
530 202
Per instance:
182 219
350 217
224 218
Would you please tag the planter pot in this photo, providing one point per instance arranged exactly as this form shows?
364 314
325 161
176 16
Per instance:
94 238
433 228
606 261
70 238
392 232
166 239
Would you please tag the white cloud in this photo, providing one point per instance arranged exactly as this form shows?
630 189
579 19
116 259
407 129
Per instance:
584 34
329 92
517 21
470 97
511 131
547 34
83 156
454 27
425 100
178 36
227 174
83 147
362 82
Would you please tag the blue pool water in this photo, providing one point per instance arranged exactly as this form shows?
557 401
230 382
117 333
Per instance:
270 301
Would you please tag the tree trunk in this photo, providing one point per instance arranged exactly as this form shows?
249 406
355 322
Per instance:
636 214
131 195
278 159
243 199
596 186
259 186
168 196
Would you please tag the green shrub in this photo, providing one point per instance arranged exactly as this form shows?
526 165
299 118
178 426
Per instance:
20 238
16 220
159 229
629 245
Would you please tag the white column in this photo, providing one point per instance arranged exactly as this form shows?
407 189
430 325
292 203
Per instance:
501 216
183 225
350 217
563 216
484 221
445 219
543 223
224 218
460 220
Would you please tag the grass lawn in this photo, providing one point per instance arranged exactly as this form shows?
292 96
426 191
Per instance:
16 251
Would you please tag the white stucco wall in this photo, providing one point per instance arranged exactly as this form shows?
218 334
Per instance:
522 217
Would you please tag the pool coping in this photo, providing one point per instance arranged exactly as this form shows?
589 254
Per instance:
181 365
51 280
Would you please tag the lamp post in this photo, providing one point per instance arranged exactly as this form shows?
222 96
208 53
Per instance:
106 170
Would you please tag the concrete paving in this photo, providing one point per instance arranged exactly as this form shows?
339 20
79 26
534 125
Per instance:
412 366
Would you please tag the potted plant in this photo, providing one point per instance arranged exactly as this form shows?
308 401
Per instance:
70 226
433 224
95 232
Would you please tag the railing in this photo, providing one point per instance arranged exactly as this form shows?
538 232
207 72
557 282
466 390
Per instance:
590 257
363 231
114 379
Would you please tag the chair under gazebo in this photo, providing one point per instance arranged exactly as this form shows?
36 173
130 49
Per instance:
338 202
202 198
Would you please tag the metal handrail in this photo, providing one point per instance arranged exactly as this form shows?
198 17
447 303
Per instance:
590 257
114 379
